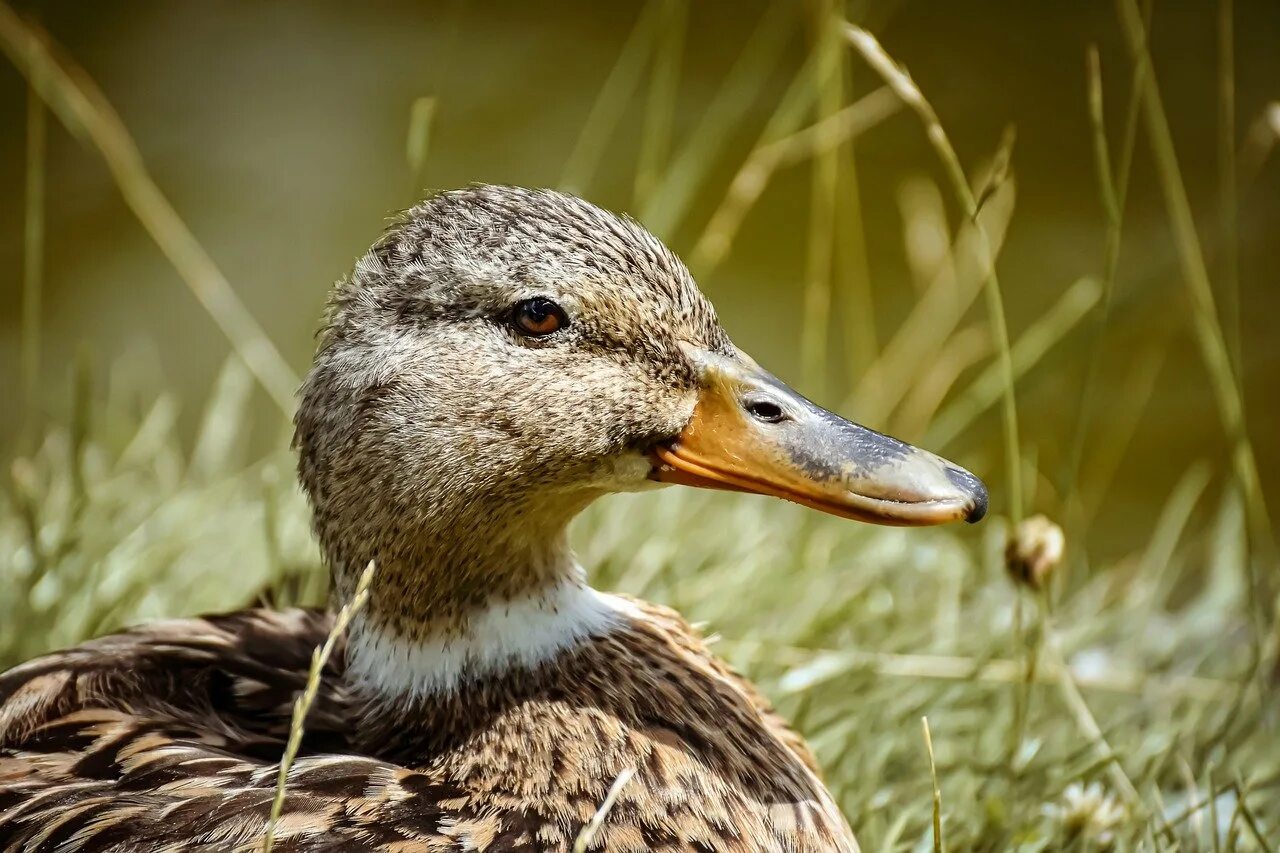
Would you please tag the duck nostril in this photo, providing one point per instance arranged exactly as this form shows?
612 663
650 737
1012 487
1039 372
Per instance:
766 411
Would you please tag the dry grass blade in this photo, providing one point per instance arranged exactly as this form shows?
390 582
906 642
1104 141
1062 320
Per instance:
965 349
905 88
422 113
1213 810
667 205
1167 826
1250 820
938 846
33 253
1085 720
589 832
754 174
801 94
987 388
303 704
85 110
834 130
824 199
612 102
660 106
1228 227
817 667
1171 523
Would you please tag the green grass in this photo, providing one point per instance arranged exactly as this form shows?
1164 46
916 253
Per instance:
1128 705
856 631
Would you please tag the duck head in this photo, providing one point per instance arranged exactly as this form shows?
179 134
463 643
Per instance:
502 357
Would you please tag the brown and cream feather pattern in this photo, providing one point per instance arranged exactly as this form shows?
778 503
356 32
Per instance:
168 737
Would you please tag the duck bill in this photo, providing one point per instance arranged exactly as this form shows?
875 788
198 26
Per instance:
751 433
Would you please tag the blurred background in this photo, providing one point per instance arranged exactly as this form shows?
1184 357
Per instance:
279 130
758 141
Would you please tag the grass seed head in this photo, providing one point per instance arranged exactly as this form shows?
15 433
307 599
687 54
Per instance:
1034 551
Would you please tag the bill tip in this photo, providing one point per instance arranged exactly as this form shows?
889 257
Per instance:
973 489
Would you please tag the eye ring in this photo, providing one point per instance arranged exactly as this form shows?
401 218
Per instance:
538 317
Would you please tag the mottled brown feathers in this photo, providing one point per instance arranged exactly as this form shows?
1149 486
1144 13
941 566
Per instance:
166 738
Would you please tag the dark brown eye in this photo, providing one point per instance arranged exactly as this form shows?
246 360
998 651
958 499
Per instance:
538 317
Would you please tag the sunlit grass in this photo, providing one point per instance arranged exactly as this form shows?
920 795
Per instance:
1119 707
856 631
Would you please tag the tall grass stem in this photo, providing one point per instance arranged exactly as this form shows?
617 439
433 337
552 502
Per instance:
80 105
938 845
302 705
33 256
660 104
592 829
667 206
615 97
1209 334
897 78
823 202
1113 187
1228 203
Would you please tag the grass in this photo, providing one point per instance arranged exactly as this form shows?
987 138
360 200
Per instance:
82 107
938 845
1213 344
302 705
1113 188
33 252
611 104
1123 707
583 842
867 628
905 88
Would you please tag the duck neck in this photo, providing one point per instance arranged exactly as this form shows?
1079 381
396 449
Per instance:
446 612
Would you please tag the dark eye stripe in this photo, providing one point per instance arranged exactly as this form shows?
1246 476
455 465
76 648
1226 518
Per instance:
538 317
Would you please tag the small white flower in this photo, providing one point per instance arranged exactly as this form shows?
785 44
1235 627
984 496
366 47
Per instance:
1088 812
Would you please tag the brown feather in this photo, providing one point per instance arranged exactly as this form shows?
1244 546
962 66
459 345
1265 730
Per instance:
167 737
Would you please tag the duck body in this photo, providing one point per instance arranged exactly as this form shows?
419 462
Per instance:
497 361
168 737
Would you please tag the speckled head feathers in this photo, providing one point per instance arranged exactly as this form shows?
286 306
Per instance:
465 252
428 421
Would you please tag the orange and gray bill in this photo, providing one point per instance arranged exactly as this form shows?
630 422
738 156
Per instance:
751 433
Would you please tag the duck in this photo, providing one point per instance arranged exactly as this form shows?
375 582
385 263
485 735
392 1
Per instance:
497 361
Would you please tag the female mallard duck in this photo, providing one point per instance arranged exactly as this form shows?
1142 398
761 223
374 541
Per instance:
497 361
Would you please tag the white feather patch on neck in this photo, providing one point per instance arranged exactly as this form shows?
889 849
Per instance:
519 633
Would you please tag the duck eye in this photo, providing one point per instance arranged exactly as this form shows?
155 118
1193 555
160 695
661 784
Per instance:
538 317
